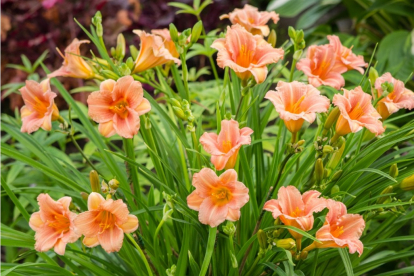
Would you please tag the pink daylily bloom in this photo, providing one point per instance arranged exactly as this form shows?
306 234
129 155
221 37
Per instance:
340 229
345 56
321 67
356 112
168 43
53 224
297 102
224 147
295 209
252 20
73 65
117 107
105 223
152 53
245 53
39 110
399 98
217 198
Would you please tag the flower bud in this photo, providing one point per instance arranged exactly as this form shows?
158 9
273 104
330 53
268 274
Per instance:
113 52
113 184
130 63
286 243
147 122
233 259
297 54
408 183
272 38
319 170
335 189
304 255
94 179
262 238
173 33
394 170
104 187
109 74
84 195
327 149
120 46
229 229
99 30
387 88
124 69
332 118
292 32
336 156
171 271
299 36
337 175
175 102
196 31
385 198
300 143
373 75
134 52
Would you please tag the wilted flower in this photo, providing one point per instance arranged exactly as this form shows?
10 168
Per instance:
251 19
168 43
397 99
297 102
295 209
53 224
245 53
73 65
105 223
340 229
39 110
217 198
117 107
224 147
152 53
345 56
356 112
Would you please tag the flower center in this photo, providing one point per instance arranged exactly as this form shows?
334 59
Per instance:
221 196
338 231
120 108
296 213
227 146
39 107
296 108
60 224
356 112
244 57
106 220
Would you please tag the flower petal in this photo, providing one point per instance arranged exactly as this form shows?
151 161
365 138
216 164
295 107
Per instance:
111 239
212 214
130 225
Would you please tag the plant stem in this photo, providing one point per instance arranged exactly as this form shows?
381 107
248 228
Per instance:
213 67
239 106
83 154
185 74
253 266
195 144
129 149
141 253
209 252
292 68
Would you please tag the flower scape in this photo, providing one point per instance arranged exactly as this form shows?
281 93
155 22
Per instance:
281 167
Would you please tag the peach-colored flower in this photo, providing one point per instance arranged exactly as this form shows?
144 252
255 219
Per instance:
245 53
345 56
73 65
297 102
224 147
168 43
53 224
356 112
153 53
217 198
117 107
251 19
295 209
105 223
39 110
321 67
399 98
340 229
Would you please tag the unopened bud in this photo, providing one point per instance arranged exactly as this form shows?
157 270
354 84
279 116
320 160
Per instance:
272 38
94 179
394 170
99 30
286 243
175 102
327 149
304 255
297 54
319 170
108 196
113 184
134 52
332 118
385 198
387 88
229 229
300 143
196 31
277 221
262 238
113 52
233 259
171 271
173 32
120 46
179 112
373 75
299 36
337 175
292 32
104 187
408 183
130 63
109 74
124 69
335 189
84 195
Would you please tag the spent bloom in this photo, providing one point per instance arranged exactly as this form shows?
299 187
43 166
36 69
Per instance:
252 20
152 53
105 223
168 43
297 102
295 209
345 56
340 229
73 65
53 224
224 147
245 53
39 110
356 112
217 198
399 98
117 107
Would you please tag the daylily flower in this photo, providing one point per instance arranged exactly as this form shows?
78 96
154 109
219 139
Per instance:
397 99
340 229
245 53
168 43
153 53
73 65
295 209
321 67
39 110
345 56
251 19
53 224
297 102
105 223
117 107
224 147
217 198
356 112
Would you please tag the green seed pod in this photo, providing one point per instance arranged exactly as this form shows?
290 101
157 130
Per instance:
272 38
94 180
286 243
319 170
394 170
134 52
